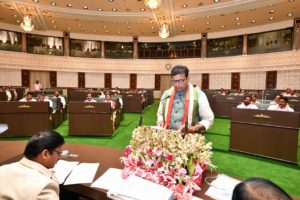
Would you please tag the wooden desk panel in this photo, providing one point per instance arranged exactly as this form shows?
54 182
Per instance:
24 118
93 119
271 134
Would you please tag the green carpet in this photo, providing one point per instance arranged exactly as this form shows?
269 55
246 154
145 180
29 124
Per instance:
238 165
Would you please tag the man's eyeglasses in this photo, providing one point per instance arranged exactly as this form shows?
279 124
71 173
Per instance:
180 81
60 153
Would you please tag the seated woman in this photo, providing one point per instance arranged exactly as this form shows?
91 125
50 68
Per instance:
108 99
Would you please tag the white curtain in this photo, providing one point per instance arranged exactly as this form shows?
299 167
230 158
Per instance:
42 76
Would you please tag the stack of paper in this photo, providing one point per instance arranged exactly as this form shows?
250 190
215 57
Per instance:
222 187
132 188
69 173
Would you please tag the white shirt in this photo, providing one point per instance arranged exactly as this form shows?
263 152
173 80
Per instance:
277 108
25 100
50 102
37 87
8 94
250 106
92 100
204 110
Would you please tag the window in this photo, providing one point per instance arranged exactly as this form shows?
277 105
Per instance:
85 48
40 44
229 46
118 49
273 41
10 41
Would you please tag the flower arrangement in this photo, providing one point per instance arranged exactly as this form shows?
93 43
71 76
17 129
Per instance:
166 158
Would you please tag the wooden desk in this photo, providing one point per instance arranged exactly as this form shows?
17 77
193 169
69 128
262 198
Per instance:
93 119
24 118
132 102
223 104
265 133
106 156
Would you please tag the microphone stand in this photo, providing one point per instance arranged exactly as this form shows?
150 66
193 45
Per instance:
148 107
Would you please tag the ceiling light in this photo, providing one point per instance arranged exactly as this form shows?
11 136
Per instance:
85 7
271 18
216 1
106 31
207 23
164 31
52 21
238 23
128 27
36 1
195 29
119 32
104 26
114 9
100 9
26 24
290 14
110 0
152 4
222 26
54 26
53 3
18 21
69 28
69 5
79 25
95 31
142 9
271 11
182 26
152 27
16 16
184 5
253 21
291 0
237 18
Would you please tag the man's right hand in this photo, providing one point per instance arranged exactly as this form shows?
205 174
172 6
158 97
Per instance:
160 123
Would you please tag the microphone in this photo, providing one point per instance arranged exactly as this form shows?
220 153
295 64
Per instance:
186 124
148 107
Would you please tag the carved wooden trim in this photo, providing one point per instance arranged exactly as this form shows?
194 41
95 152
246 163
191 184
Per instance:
53 79
107 80
271 80
25 78
133 79
235 81
81 80
205 82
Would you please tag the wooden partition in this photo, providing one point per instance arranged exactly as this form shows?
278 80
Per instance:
272 134
133 102
24 118
91 119
223 104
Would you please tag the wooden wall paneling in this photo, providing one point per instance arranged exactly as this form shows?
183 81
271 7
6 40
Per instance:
157 82
81 79
235 81
107 80
53 79
271 80
205 82
25 78
133 79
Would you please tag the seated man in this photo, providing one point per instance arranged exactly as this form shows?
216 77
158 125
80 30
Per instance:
222 91
258 189
89 98
239 92
247 103
43 98
30 178
62 99
282 105
28 97
119 98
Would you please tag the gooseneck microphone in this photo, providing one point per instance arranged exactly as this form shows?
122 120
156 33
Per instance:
148 107
186 124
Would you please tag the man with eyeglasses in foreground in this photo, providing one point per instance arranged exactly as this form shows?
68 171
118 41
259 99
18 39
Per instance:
184 106
30 178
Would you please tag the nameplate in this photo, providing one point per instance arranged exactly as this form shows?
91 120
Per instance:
294 100
24 106
262 116
129 95
229 98
89 107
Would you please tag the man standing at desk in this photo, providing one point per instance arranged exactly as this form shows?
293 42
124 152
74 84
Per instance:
30 178
184 105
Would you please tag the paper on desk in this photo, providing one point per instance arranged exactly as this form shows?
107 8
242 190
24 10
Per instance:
109 180
62 169
222 187
138 188
82 173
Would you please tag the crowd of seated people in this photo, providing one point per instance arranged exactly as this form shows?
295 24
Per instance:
282 105
247 104
289 93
